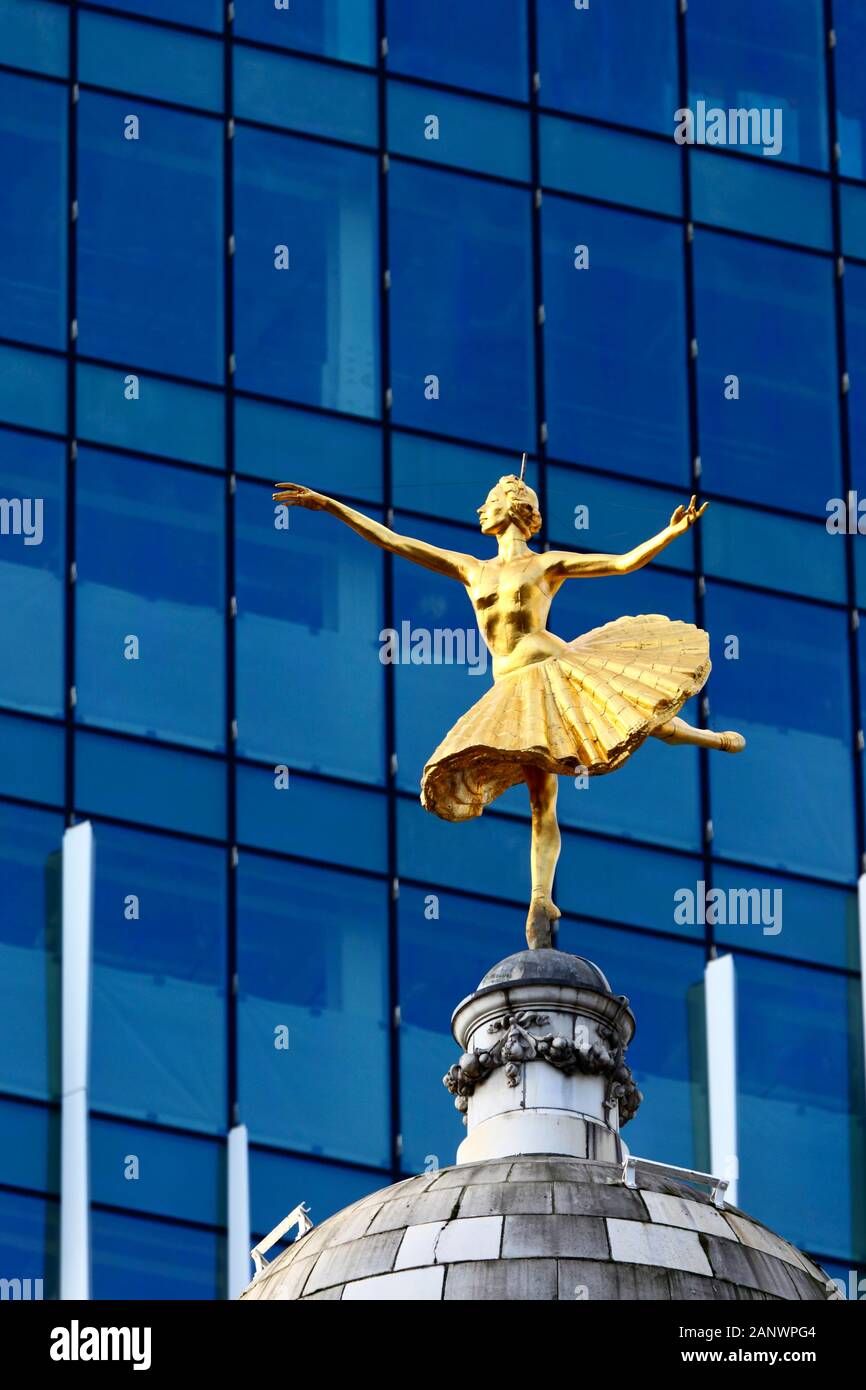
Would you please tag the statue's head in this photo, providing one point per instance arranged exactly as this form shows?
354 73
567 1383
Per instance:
510 502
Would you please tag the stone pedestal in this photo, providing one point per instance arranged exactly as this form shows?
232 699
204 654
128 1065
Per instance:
543 1067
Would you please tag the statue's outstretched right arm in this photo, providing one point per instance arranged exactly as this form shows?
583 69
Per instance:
451 563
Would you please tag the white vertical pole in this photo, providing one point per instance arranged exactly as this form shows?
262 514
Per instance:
239 1266
720 988
76 943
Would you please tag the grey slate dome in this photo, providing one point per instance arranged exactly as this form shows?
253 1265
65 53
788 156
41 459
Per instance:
540 1228
532 967
545 1203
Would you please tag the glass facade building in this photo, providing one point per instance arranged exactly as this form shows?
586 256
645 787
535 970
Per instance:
380 248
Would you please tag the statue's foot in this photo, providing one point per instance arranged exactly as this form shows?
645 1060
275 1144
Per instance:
543 912
731 742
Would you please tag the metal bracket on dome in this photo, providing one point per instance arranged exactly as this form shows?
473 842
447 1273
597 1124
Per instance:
299 1216
718 1186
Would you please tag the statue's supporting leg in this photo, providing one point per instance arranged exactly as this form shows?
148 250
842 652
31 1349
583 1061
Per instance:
677 731
546 842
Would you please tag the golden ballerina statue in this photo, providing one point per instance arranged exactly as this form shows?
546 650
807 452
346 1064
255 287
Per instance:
555 708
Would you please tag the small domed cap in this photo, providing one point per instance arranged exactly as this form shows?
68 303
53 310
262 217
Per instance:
545 967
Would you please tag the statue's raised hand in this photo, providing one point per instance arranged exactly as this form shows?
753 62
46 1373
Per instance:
296 495
684 517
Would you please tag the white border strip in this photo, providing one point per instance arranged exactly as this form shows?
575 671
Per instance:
721 1014
77 937
239 1265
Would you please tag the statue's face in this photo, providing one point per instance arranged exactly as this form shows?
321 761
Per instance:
493 515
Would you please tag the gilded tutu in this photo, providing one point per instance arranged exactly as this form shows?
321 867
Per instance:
585 709
555 707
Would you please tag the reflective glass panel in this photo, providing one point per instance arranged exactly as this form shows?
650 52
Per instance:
32 571
34 181
150 237
310 612
614 335
312 1009
767 372
150 625
306 272
159 961
461 306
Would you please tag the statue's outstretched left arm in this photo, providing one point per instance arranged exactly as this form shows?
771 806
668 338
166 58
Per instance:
568 564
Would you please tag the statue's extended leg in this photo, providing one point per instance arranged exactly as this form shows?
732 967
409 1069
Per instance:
678 731
545 852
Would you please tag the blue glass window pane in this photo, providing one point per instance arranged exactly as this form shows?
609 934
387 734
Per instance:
310 610
628 803
461 320
137 1259
468 133
31 759
147 59
615 346
637 887
854 283
159 997
446 480
30 1145
327 1187
482 46
664 983
788 692
330 454
150 238
33 178
176 1174
489 855
617 62
343 29
203 14
150 574
32 389
759 198
587 511
35 35
32 571
759 547
317 820
313 960
599 163
770 57
151 785
30 1243
182 422
307 332
765 315
430 695
295 92
434 977
800 1074
849 21
853 208
816 922
29 946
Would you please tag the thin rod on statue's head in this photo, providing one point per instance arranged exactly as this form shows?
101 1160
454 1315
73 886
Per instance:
522 467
